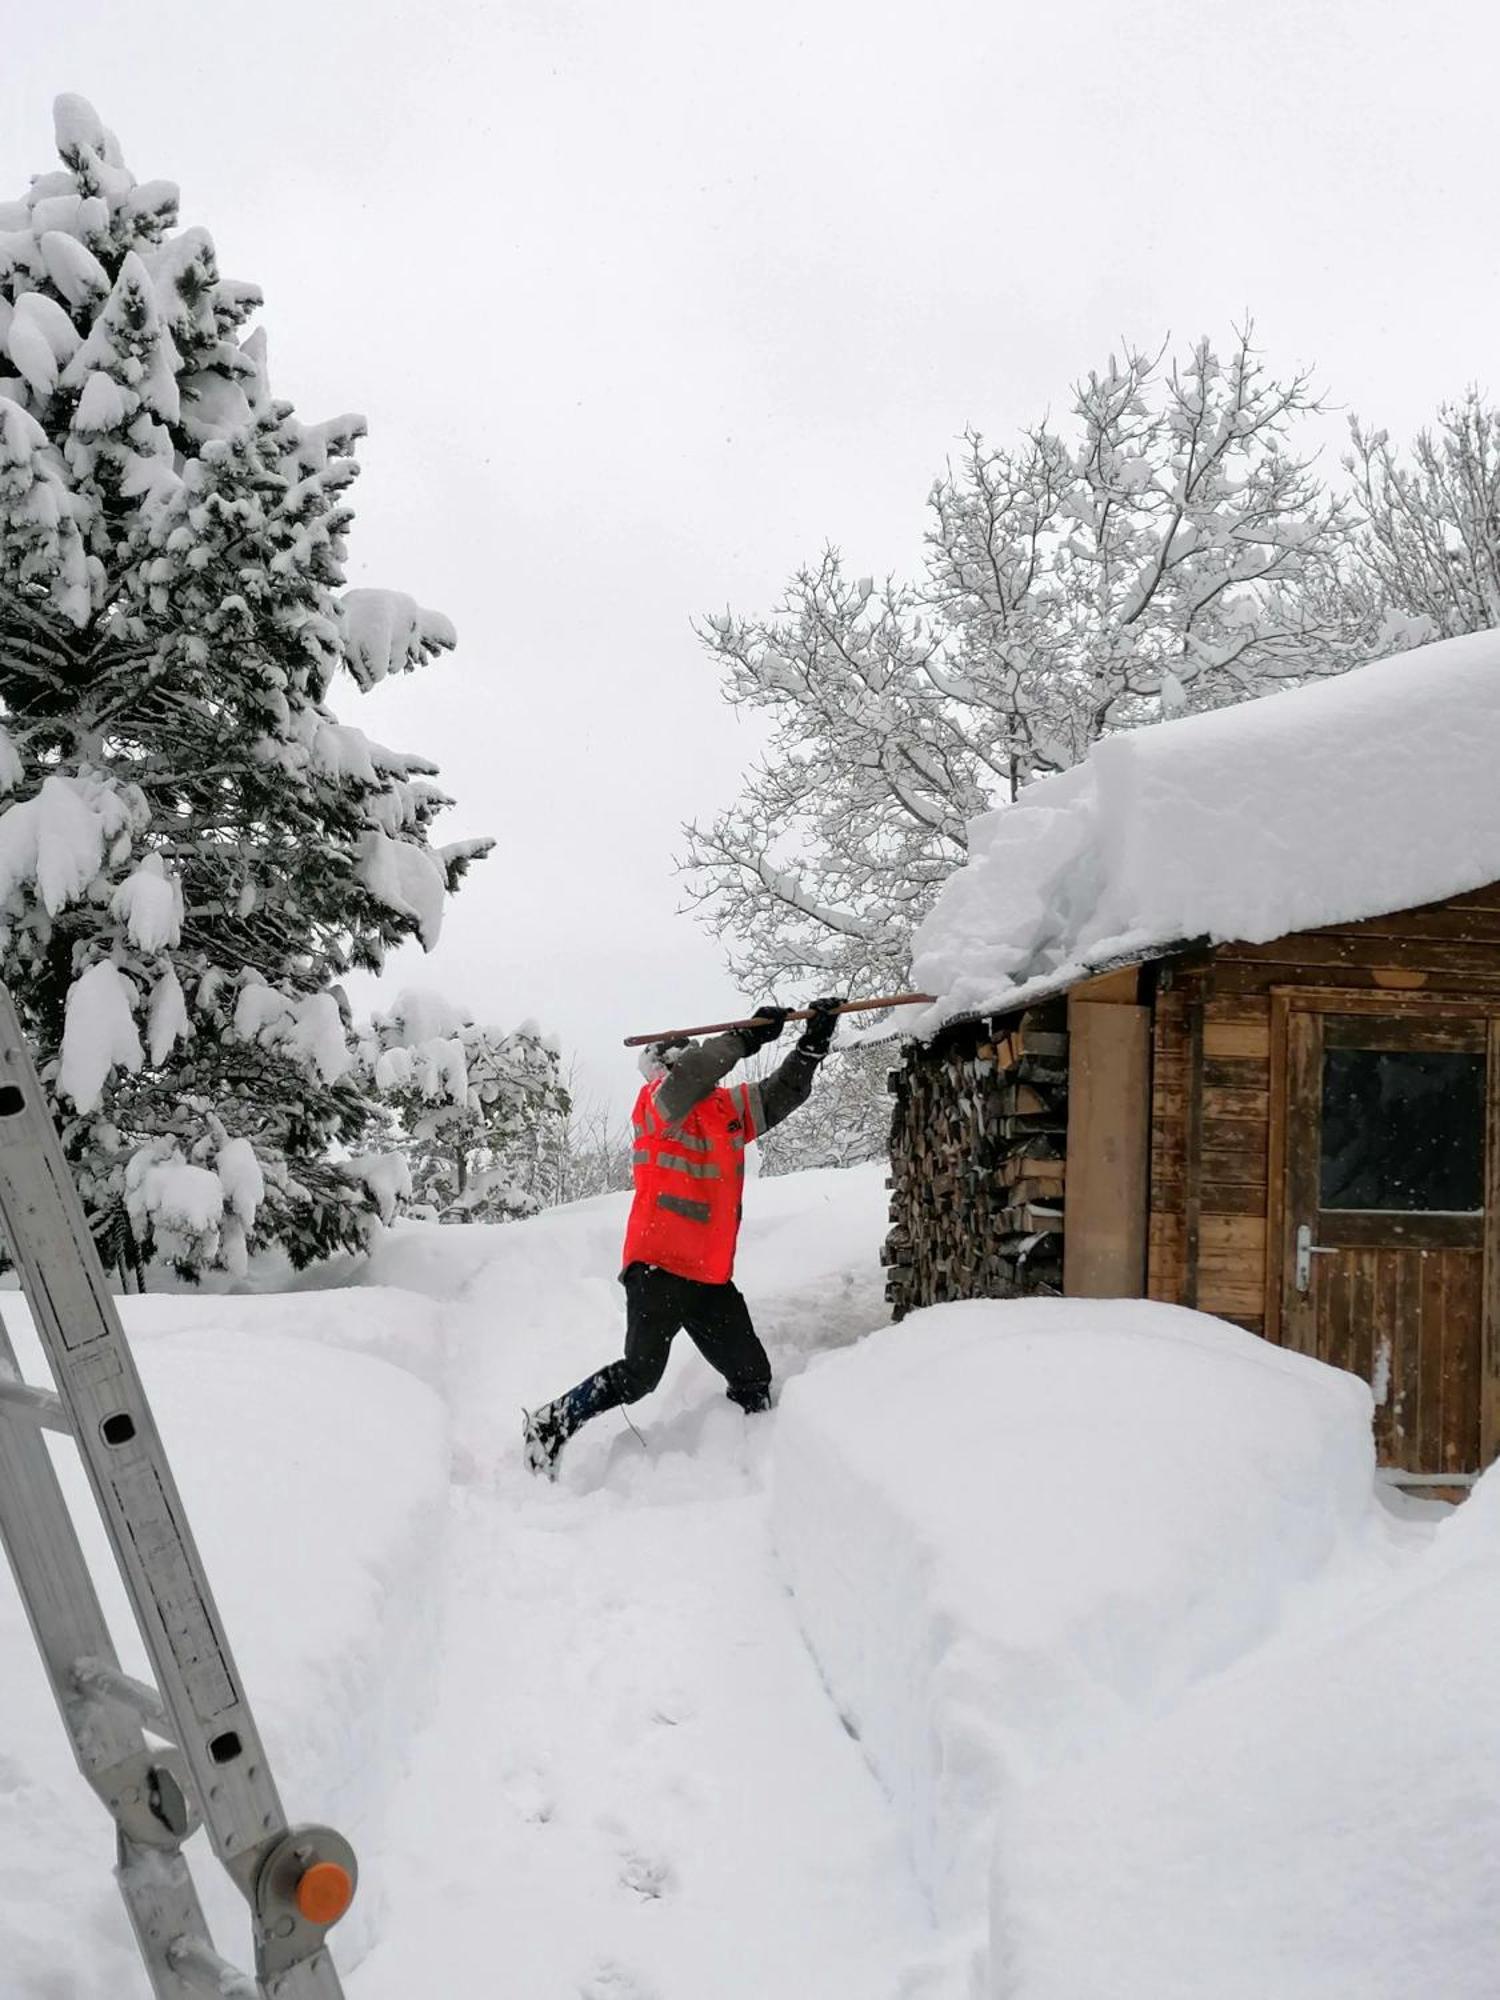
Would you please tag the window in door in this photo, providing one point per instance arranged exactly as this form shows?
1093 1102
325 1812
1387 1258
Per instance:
1402 1130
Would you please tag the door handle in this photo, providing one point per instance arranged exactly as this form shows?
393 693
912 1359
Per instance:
1306 1251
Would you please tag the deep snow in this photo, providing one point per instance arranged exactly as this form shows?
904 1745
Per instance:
634 1787
1082 1658
316 1480
574 1731
1120 1503
1318 1823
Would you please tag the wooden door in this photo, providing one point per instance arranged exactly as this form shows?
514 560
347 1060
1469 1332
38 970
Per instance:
1383 1226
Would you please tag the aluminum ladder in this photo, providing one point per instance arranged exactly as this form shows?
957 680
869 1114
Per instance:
213 1769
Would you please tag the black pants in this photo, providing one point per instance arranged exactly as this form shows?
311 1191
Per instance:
659 1305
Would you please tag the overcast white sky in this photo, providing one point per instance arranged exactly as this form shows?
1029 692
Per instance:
647 299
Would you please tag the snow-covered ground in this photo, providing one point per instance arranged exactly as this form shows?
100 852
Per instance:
1168 1701
1029 1651
633 1784
315 1475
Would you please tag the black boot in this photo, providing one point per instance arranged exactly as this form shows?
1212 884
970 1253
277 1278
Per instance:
547 1430
543 1434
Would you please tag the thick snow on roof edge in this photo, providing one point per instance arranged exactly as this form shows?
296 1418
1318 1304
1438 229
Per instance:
1349 798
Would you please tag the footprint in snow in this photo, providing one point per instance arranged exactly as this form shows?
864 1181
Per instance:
529 1791
612 1981
649 1876
673 1706
648 1873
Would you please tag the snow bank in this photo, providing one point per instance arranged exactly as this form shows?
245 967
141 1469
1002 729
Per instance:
1012 1529
1322 1822
316 1481
380 1321
1325 804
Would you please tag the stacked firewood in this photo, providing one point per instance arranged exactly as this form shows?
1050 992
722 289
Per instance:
978 1145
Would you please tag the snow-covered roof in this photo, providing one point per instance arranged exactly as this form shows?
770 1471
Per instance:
1344 799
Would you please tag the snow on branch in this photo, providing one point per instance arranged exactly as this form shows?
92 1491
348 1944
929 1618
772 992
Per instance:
408 879
309 1030
149 904
1429 556
56 841
388 632
99 1034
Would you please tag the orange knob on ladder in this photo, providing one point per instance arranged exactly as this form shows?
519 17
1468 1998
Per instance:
324 1892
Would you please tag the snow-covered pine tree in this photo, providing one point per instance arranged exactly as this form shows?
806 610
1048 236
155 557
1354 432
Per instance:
479 1112
194 848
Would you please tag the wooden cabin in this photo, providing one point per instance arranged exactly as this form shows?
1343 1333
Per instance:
1300 1135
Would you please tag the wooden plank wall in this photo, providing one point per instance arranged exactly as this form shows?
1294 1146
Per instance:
1210 1112
1211 1083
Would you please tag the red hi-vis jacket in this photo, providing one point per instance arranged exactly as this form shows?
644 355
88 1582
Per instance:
689 1182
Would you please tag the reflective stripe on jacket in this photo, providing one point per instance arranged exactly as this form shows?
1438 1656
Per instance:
689 1183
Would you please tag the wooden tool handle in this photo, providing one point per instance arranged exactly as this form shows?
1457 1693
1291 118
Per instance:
799 1014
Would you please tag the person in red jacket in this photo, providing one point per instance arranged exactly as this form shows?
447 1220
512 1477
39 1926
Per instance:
689 1160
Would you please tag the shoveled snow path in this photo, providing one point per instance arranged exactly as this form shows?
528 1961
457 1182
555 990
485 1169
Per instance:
634 1785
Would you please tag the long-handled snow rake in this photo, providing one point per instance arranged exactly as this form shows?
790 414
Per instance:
799 1014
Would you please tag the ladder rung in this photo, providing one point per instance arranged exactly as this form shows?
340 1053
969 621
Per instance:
201 1966
108 1683
41 1405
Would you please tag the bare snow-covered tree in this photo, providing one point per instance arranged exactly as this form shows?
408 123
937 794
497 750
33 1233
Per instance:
846 1120
856 812
592 1148
193 848
1170 550
1428 560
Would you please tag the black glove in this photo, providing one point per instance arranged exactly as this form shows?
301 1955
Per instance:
767 1025
817 1036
